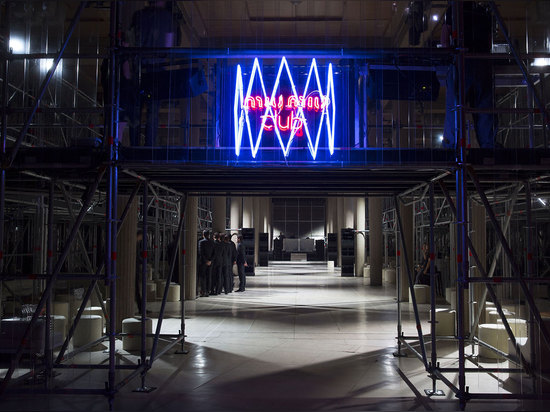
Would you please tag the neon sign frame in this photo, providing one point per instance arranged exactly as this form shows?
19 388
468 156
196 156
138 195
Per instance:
242 107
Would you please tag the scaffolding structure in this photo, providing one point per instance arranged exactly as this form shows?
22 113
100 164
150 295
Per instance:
67 196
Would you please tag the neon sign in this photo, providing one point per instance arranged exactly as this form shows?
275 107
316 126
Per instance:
311 104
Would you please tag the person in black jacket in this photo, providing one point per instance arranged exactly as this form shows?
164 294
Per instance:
217 283
241 263
233 261
206 254
226 264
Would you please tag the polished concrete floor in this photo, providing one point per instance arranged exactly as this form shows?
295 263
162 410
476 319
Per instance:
300 338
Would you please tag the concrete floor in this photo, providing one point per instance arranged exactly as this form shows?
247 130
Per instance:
300 338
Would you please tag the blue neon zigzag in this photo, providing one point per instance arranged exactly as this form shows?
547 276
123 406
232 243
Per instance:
241 115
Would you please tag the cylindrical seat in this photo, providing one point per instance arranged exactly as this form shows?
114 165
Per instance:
521 311
89 329
61 309
449 294
388 275
161 283
445 319
151 291
94 310
518 326
495 335
132 326
59 330
493 315
366 271
421 293
173 293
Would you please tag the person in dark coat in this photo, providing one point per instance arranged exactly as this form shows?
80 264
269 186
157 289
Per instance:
241 263
206 254
233 261
217 283
226 262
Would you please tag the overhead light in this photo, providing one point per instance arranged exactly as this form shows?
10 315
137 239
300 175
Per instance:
440 137
435 17
17 45
541 61
542 201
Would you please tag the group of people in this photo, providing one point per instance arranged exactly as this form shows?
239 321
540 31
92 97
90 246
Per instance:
217 255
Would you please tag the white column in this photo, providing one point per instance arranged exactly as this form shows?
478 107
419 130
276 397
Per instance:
257 228
126 261
191 225
407 223
236 213
330 206
376 240
248 211
479 241
360 237
339 225
349 212
269 228
219 214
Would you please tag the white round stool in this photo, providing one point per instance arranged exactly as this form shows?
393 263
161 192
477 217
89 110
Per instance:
449 294
161 283
132 326
493 316
61 309
89 329
518 326
421 293
494 335
151 291
388 275
445 319
173 293
94 310
59 330
521 311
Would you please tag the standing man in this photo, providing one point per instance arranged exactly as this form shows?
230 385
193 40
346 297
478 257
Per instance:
226 265
217 282
241 263
206 254
233 260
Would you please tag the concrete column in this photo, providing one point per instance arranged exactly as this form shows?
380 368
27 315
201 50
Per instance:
349 212
360 237
330 206
248 211
407 223
269 228
191 226
126 262
236 213
376 241
339 225
479 240
257 226
219 214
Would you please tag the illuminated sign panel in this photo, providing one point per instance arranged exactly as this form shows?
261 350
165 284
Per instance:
283 112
